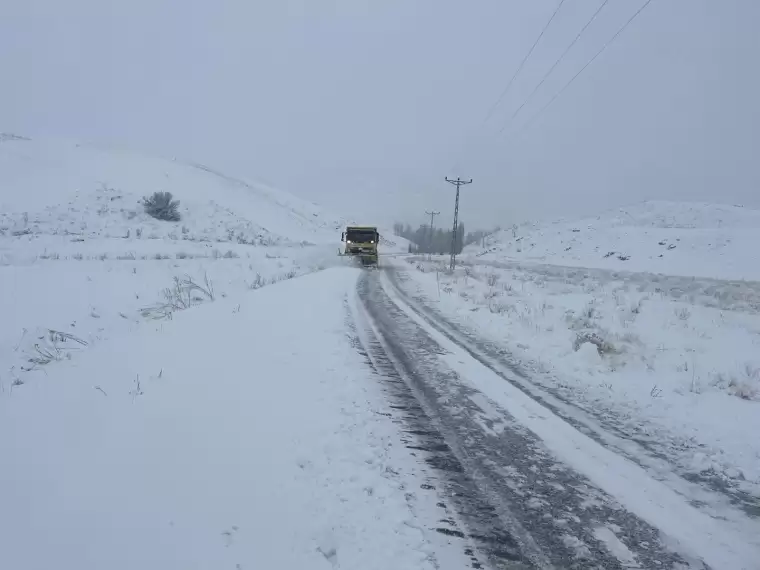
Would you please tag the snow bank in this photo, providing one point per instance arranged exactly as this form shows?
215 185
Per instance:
242 434
694 239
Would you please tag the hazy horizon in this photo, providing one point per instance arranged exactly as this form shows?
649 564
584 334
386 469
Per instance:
365 107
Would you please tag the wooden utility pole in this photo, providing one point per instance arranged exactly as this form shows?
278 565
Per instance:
458 182
432 235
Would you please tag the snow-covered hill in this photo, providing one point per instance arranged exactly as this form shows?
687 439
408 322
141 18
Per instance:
60 188
80 259
690 239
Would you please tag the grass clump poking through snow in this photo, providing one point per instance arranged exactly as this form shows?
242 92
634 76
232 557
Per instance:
162 206
182 295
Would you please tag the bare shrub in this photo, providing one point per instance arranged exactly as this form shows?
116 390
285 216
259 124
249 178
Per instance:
744 384
602 346
492 279
636 307
258 282
162 206
499 307
683 314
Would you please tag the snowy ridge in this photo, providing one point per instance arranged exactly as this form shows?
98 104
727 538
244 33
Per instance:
47 176
694 239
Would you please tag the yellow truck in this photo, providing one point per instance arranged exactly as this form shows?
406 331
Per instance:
361 242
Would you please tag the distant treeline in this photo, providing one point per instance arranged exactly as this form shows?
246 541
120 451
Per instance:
439 241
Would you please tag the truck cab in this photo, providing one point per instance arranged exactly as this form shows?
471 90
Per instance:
361 241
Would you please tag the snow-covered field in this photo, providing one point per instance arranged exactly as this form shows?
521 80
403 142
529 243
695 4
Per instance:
80 260
673 360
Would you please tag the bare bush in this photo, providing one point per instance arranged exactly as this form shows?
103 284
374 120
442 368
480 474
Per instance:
602 346
492 279
744 384
162 206
683 314
491 294
499 307
258 282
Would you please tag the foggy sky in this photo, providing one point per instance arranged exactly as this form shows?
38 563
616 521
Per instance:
365 106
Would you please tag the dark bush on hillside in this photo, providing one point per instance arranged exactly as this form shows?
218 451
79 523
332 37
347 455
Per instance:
162 207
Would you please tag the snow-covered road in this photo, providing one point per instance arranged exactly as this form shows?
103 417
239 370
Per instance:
532 485
324 422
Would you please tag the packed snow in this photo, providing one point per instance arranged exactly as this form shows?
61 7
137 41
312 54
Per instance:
673 361
672 238
245 433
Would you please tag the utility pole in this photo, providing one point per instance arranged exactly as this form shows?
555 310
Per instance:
430 241
458 182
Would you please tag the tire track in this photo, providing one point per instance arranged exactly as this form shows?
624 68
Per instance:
521 508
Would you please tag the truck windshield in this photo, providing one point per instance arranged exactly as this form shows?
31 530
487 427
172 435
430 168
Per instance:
361 237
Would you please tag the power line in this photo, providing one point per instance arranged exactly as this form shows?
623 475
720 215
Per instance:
604 47
553 67
522 63
498 101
